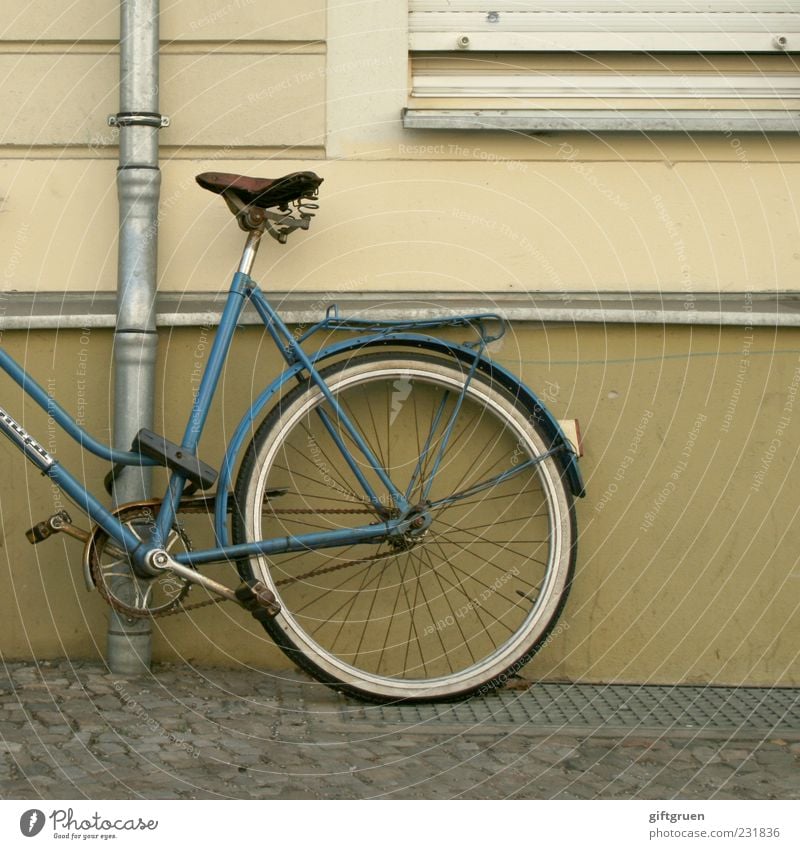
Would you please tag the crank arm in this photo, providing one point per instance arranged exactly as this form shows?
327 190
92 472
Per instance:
257 599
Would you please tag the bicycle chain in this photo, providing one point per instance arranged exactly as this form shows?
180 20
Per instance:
202 507
325 569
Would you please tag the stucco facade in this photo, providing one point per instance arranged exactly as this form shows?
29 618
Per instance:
687 569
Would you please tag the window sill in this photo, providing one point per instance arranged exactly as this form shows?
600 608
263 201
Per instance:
604 120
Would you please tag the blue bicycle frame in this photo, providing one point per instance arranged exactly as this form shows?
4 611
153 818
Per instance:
243 290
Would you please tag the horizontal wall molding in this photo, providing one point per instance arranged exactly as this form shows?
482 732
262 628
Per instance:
75 310
606 120
251 46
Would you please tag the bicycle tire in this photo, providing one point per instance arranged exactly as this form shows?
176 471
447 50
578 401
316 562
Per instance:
457 612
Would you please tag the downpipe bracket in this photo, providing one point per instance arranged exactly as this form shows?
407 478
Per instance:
139 119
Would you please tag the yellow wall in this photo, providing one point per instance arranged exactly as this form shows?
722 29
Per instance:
266 90
687 567
707 591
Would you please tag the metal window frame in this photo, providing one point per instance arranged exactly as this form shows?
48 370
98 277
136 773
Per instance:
605 86
597 26
603 25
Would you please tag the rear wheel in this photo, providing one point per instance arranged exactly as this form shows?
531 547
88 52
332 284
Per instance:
436 616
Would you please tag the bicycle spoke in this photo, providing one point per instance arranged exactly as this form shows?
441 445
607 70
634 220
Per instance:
347 563
353 599
369 613
484 485
420 471
484 625
391 616
466 428
507 548
457 619
496 522
471 469
486 586
373 446
421 586
376 448
412 626
447 432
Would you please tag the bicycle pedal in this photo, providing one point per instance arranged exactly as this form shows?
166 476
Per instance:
258 600
47 527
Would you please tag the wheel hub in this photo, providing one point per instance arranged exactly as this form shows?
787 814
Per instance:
419 523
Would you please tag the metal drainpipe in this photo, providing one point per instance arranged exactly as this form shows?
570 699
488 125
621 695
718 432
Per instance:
129 647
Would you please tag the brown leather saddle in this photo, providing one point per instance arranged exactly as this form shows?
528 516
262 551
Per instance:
262 193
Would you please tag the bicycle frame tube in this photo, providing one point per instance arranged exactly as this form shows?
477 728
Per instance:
294 353
47 464
242 287
305 542
31 388
202 402
70 485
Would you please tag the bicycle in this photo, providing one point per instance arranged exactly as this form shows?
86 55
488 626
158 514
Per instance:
402 520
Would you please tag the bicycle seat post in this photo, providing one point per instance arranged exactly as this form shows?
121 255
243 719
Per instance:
250 251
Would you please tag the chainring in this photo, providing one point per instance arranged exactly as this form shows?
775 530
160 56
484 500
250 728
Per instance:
127 593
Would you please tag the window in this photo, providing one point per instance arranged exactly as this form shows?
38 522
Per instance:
595 64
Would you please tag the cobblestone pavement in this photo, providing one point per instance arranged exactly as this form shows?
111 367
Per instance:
72 731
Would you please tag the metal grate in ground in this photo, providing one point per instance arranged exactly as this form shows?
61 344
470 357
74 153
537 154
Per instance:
609 706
